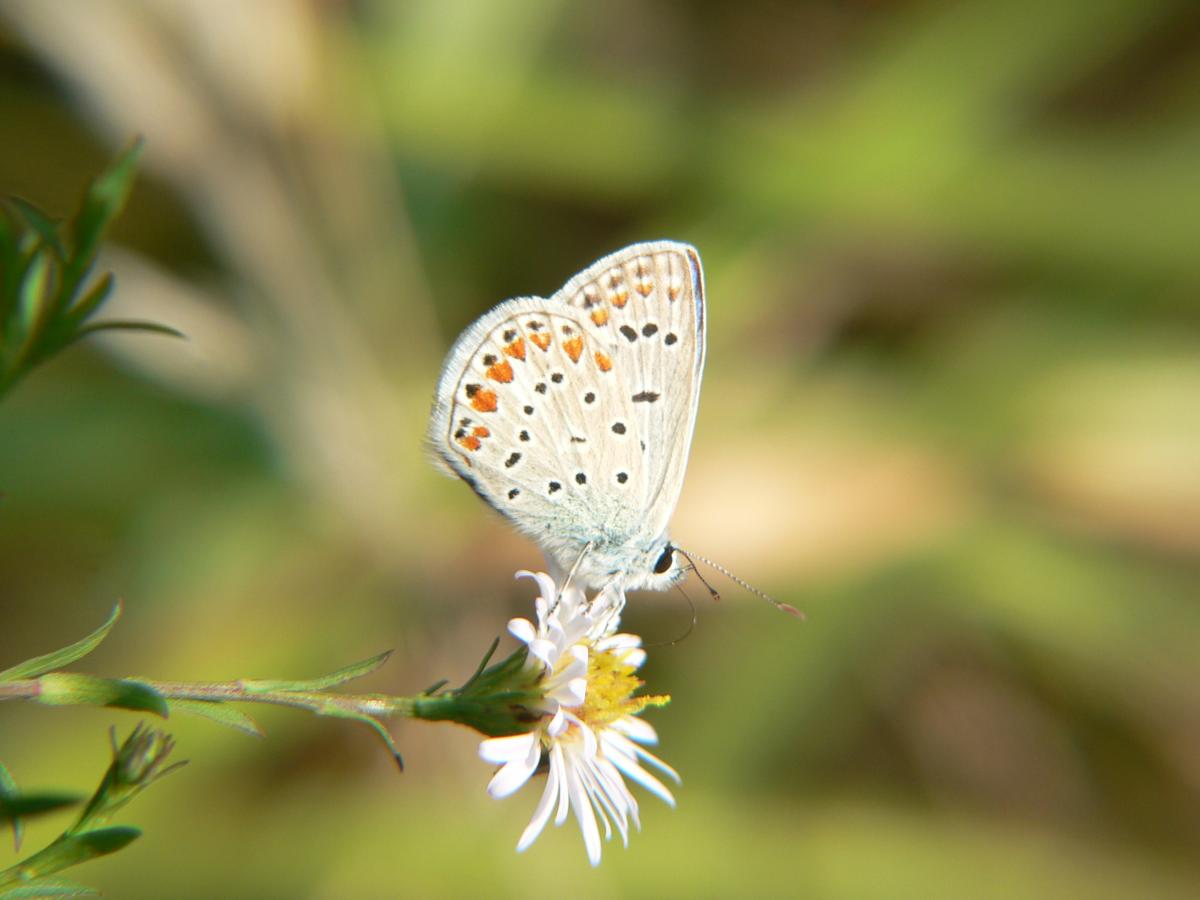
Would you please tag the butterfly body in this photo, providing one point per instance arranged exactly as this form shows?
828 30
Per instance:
573 415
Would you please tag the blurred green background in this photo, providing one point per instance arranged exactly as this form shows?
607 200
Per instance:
950 410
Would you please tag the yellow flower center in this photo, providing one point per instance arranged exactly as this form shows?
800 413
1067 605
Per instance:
611 683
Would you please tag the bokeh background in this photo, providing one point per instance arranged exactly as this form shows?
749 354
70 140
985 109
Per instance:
950 410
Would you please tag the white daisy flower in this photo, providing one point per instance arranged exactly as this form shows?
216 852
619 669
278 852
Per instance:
587 730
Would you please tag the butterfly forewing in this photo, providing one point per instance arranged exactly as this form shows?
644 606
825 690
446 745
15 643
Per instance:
573 415
646 305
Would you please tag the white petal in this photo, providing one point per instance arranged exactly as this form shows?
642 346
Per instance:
545 651
558 724
576 630
589 741
621 642
636 729
631 770
515 773
506 749
646 756
522 630
617 788
541 815
608 791
635 658
574 692
584 814
595 797
576 668
557 761
544 582
614 743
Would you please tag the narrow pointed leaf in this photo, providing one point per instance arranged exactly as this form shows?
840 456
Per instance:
222 713
126 325
39 665
9 790
77 689
10 256
15 806
324 682
375 725
105 198
31 309
48 887
40 222
92 299
71 850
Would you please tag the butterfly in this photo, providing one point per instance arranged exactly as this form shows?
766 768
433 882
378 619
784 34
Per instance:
573 415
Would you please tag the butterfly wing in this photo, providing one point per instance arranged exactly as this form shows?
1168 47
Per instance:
573 415
644 305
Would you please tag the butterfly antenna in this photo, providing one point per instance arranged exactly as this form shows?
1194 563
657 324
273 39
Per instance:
713 592
783 607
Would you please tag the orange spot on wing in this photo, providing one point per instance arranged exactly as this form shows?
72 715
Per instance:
484 401
516 348
542 339
620 298
501 372
481 431
600 316
675 286
603 361
573 348
642 280
470 442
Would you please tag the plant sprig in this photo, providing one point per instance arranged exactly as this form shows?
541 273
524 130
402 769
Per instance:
46 300
137 763
495 700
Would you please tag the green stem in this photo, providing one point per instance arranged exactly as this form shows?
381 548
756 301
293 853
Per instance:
245 692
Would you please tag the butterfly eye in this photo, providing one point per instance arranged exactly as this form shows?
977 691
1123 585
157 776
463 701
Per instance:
664 561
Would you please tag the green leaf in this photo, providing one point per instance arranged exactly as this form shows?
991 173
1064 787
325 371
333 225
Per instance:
15 806
337 712
8 790
219 712
91 300
77 689
32 308
105 198
126 325
323 683
39 665
40 222
48 887
10 255
71 850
